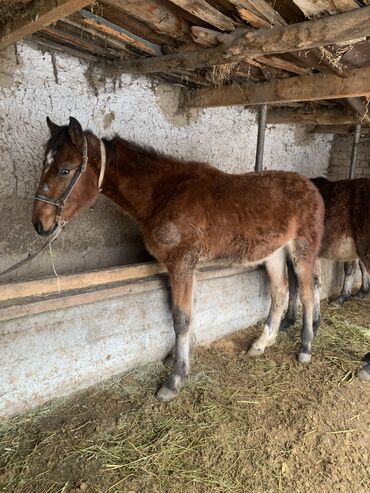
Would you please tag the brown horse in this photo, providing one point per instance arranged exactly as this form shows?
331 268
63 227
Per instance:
188 211
346 236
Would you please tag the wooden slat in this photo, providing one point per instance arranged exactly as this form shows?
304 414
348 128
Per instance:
118 33
290 38
260 11
156 14
338 129
76 41
134 25
277 62
305 88
203 10
315 116
317 8
135 280
33 18
76 281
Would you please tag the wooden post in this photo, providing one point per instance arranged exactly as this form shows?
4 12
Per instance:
262 114
356 140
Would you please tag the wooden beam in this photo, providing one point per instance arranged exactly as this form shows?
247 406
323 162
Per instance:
315 116
313 87
337 129
23 298
314 8
154 13
33 18
257 11
118 33
242 43
203 10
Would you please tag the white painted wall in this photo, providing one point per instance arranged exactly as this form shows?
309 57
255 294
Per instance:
137 109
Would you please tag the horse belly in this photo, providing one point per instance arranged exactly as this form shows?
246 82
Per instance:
343 250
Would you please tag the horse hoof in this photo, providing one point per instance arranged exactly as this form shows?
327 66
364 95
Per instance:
364 373
304 357
337 302
165 394
361 294
286 323
255 351
169 360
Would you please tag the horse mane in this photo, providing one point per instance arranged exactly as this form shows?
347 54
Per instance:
145 154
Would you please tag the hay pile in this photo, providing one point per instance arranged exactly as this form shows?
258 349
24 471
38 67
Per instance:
240 425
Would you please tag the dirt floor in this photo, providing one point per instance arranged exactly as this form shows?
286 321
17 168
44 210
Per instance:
239 426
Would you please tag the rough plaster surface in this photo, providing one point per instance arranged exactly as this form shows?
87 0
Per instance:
137 109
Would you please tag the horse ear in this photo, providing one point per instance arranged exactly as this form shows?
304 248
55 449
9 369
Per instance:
76 133
53 127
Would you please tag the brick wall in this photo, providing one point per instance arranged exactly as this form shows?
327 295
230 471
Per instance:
341 156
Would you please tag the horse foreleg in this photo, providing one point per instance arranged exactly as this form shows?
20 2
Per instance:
349 273
364 372
305 273
275 266
365 284
182 301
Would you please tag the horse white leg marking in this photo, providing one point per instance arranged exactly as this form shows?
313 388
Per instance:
275 266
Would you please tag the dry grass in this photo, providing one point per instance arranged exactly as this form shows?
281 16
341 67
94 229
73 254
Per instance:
221 73
240 425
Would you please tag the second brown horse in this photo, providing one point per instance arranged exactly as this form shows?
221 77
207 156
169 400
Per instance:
346 235
187 212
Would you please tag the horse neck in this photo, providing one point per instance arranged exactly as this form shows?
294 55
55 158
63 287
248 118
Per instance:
133 175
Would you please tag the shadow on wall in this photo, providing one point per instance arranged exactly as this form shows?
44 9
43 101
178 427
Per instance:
100 238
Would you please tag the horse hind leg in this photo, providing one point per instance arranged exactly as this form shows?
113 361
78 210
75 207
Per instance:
290 316
346 293
365 283
275 266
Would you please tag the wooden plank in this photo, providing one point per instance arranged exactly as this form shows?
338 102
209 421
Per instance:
313 87
76 281
301 36
154 13
95 34
277 62
134 25
76 41
253 19
338 129
312 8
264 9
203 10
33 18
87 280
27 306
118 33
314 116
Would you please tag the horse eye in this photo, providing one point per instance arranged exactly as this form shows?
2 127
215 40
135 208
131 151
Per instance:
63 172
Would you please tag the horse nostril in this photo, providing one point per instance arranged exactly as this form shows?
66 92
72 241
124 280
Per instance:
38 227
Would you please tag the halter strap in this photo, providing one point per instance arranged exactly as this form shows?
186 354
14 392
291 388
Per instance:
60 201
103 162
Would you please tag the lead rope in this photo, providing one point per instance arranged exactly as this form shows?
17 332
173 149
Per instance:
31 256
